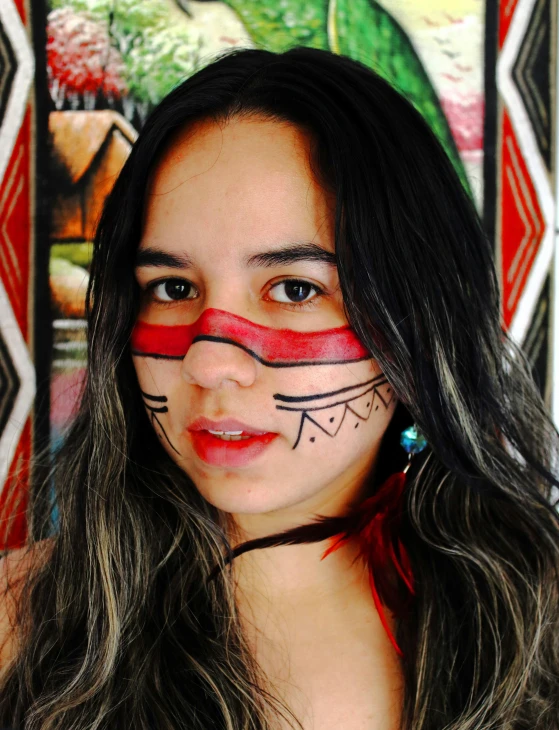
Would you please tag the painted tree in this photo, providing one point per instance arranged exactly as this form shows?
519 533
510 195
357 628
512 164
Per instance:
81 63
156 53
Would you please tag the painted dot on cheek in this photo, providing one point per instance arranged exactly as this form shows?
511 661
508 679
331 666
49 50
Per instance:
376 408
312 438
331 419
356 425
368 404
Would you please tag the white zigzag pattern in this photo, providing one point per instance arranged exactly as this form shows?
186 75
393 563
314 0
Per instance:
528 144
17 102
11 334
17 348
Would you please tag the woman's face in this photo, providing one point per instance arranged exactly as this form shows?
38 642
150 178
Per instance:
242 319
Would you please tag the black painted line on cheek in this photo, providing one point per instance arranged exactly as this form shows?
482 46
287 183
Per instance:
154 411
163 409
331 405
154 418
378 380
156 398
305 411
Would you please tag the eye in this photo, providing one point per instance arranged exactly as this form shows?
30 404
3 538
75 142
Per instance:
170 290
296 291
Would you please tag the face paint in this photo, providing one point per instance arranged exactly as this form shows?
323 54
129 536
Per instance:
327 411
155 404
272 347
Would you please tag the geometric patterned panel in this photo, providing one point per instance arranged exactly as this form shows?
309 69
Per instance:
17 207
521 220
15 494
536 346
531 74
523 111
15 242
7 70
9 384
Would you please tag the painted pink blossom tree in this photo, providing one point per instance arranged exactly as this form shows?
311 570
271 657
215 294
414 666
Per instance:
81 61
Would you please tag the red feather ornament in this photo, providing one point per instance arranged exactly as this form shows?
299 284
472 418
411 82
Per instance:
376 525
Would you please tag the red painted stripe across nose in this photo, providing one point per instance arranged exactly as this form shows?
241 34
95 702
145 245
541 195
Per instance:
271 346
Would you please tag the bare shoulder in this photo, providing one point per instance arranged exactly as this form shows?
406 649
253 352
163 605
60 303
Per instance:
15 567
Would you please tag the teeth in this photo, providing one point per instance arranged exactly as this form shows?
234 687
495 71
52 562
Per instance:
231 433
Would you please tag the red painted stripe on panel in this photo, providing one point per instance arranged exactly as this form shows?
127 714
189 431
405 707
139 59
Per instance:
14 495
15 226
506 11
522 223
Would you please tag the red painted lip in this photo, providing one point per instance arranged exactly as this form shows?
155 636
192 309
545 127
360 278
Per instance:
217 452
227 424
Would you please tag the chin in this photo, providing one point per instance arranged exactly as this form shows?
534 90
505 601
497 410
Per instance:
251 500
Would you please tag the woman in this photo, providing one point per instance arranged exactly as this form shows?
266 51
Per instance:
287 276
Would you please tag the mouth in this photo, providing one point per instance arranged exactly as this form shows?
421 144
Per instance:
229 451
226 427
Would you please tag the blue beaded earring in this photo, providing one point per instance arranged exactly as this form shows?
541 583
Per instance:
413 442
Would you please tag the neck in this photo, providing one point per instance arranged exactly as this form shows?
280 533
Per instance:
296 575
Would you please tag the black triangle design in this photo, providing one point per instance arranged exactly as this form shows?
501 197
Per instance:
9 385
532 78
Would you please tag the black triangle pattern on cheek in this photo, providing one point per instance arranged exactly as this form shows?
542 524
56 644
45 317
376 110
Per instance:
329 420
363 397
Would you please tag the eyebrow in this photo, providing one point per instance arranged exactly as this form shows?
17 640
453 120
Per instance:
287 254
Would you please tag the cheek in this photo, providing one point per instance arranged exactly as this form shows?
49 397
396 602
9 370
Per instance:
161 386
340 407
157 377
157 380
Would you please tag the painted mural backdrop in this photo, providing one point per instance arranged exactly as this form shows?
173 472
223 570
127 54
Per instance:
79 77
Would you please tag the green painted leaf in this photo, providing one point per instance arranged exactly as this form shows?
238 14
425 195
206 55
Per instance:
277 25
364 31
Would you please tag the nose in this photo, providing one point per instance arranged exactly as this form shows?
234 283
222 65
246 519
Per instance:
214 365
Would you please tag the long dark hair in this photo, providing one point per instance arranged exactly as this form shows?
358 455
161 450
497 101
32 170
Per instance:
120 627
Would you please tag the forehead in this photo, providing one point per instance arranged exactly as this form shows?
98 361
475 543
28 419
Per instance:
244 183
